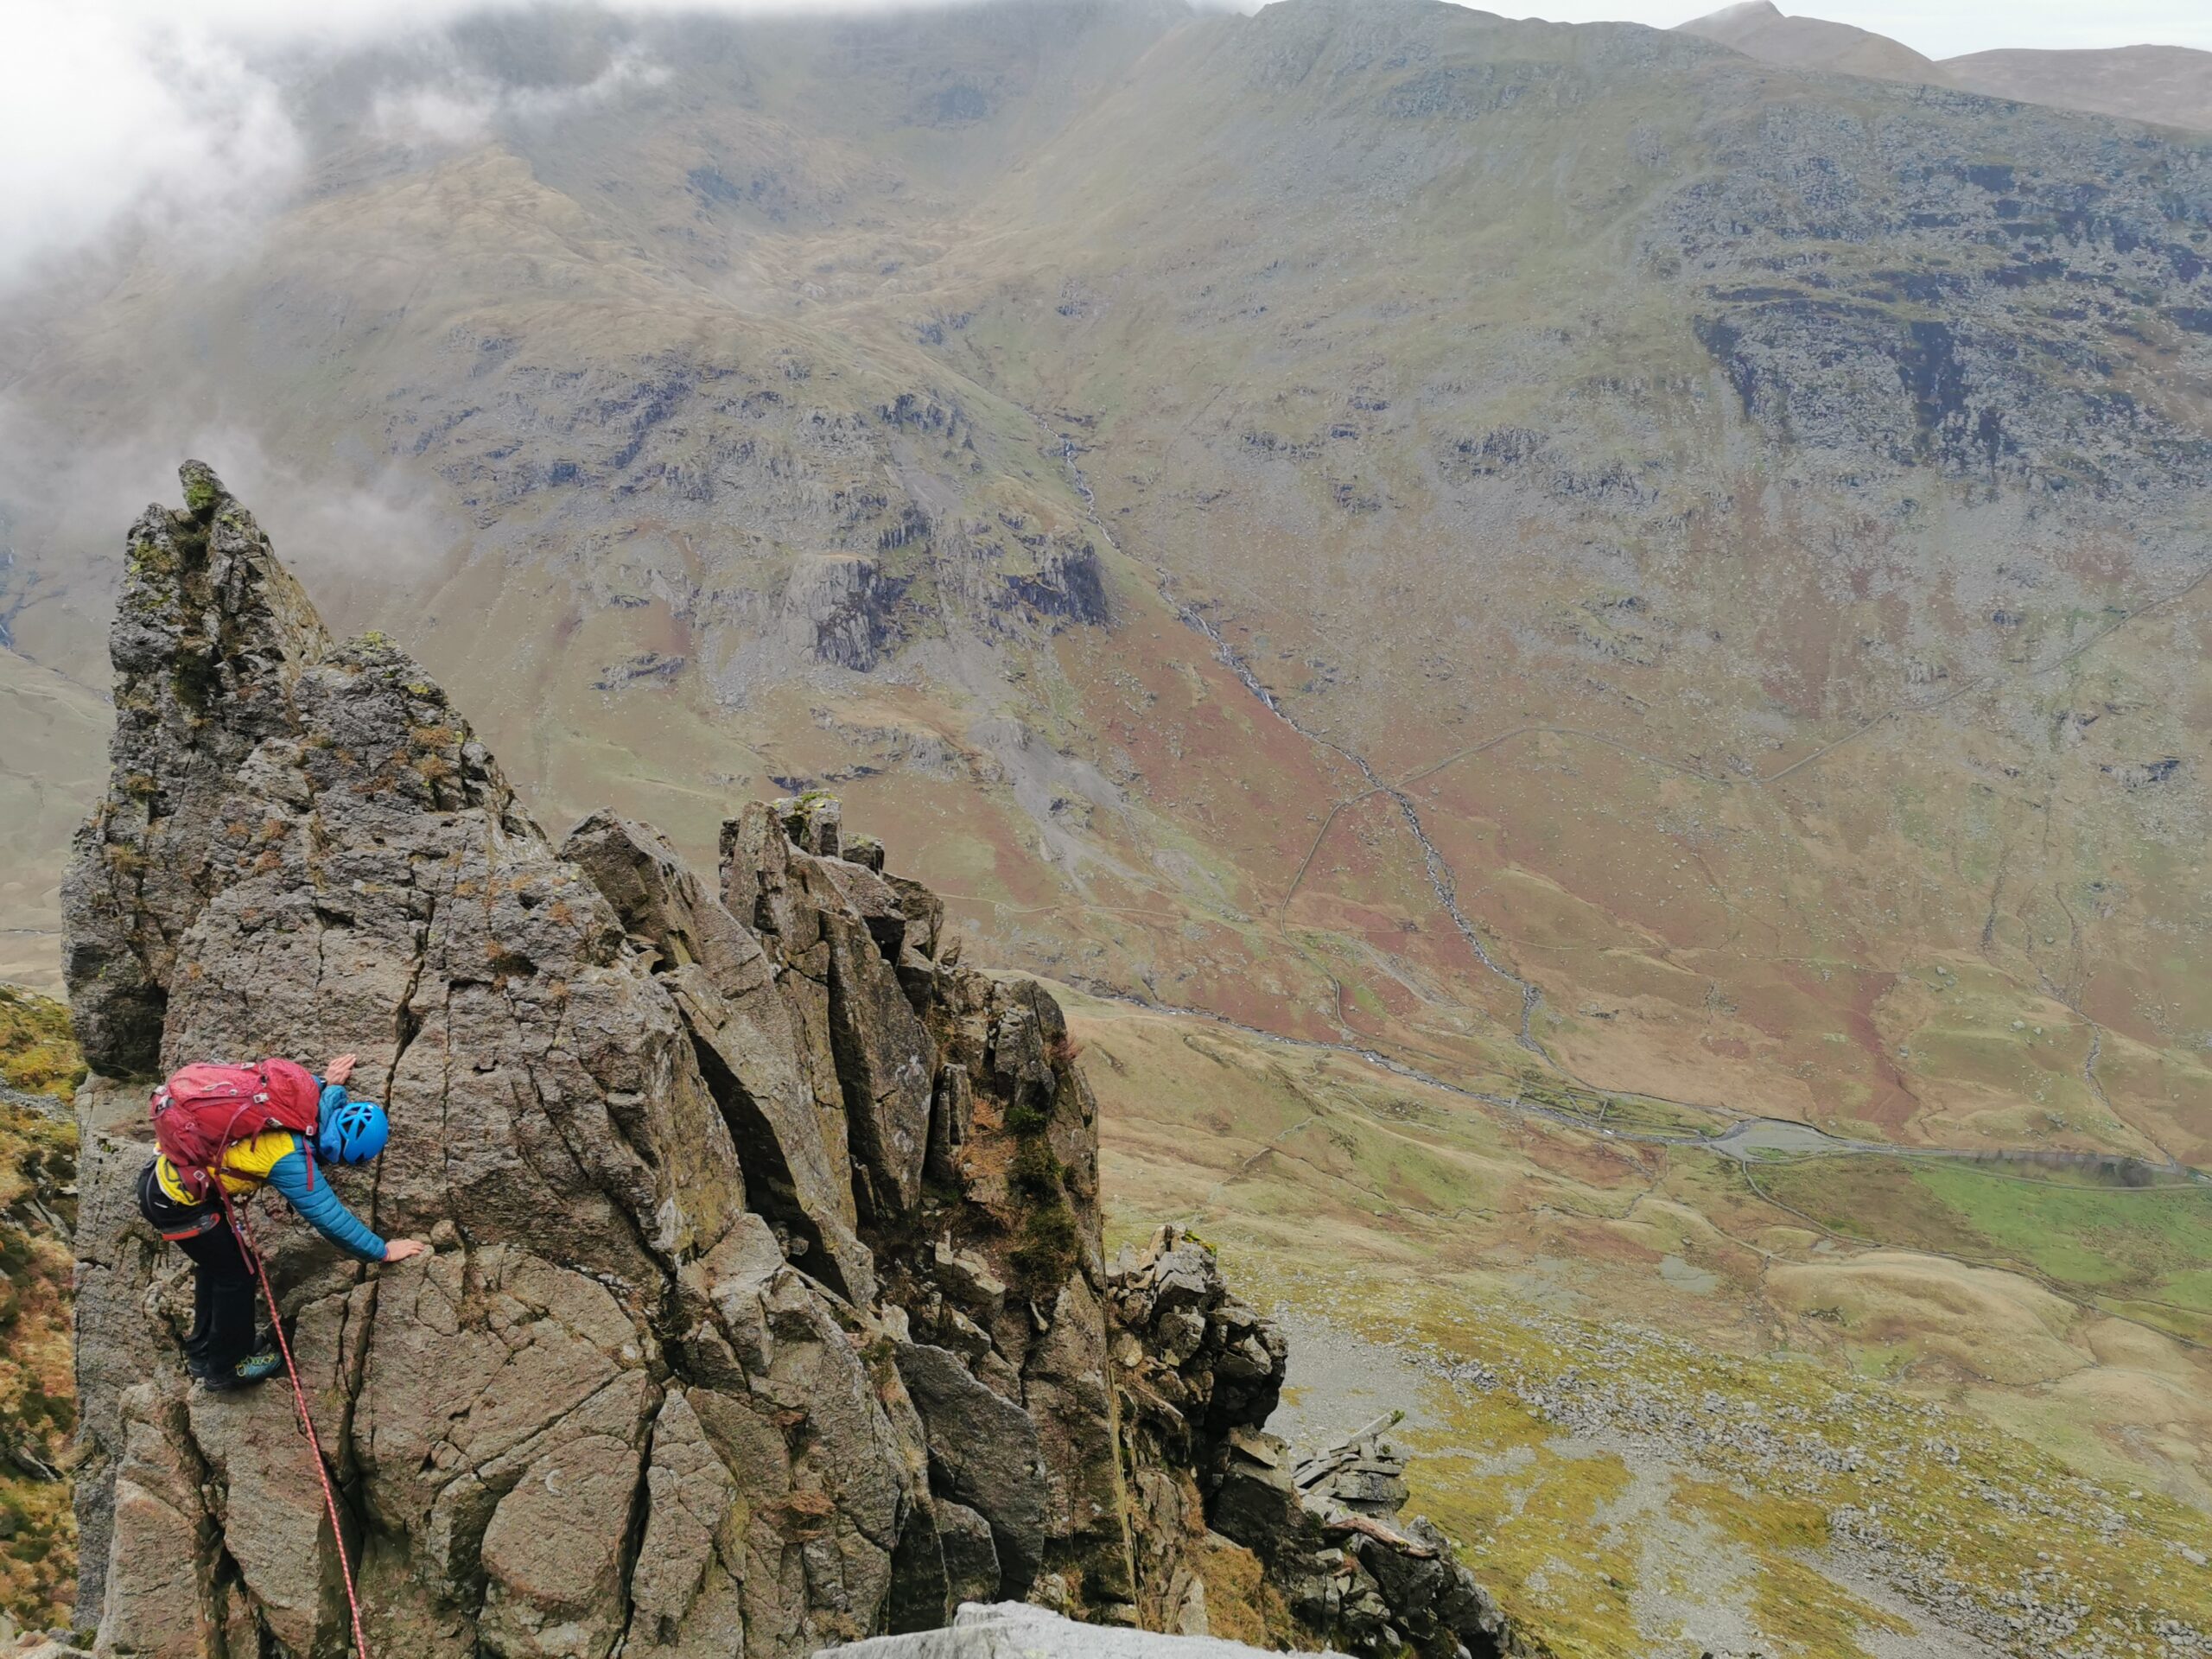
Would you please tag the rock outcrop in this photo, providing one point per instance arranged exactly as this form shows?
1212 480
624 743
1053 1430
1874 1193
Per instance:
1331 1545
768 1309
211 638
1305 1554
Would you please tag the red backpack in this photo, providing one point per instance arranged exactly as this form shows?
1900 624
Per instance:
204 1109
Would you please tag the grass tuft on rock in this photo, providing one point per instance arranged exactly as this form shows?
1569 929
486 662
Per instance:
40 1068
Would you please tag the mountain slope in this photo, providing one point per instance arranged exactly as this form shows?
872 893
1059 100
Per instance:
39 1068
1584 441
55 729
1759 28
2169 85
1667 521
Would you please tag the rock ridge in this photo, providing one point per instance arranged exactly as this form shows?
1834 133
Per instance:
769 1309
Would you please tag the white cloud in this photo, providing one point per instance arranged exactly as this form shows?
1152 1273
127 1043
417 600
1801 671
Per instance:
56 487
103 118
343 23
462 107
445 115
152 114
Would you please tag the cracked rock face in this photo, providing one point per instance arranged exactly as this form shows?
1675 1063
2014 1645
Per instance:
650 1392
768 1310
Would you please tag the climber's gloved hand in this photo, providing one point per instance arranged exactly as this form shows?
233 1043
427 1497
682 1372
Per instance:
399 1250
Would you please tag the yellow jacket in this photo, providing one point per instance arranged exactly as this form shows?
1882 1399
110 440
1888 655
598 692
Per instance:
246 1168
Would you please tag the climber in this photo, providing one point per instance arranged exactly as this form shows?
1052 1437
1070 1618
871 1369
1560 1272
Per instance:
179 1201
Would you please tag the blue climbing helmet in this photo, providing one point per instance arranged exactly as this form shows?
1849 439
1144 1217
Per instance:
353 1134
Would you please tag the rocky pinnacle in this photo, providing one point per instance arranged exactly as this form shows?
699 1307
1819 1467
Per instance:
768 1310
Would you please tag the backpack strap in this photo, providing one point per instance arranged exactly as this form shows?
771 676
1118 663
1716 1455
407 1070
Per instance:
261 1071
197 1187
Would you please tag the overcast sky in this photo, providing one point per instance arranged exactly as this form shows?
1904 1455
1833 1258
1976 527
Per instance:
1938 28
144 112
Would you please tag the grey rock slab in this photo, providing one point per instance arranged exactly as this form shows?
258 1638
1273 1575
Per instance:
163 1607
886 1061
1016 1630
971 1558
722 981
985 1452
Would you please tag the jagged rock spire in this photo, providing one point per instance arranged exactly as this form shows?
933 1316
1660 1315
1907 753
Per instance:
210 635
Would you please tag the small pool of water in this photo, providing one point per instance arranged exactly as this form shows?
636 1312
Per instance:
1768 1137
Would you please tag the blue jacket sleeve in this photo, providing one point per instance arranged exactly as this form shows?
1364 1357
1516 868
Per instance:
320 1206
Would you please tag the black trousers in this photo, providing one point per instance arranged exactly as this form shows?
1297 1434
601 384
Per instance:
223 1317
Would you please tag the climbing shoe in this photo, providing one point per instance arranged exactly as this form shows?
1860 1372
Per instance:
253 1369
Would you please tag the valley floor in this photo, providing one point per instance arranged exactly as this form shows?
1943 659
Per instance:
1676 1401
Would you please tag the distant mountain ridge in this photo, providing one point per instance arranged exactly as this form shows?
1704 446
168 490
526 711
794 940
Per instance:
1202 467
2169 86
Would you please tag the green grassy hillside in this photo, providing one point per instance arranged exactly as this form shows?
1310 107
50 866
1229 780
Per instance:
2146 1251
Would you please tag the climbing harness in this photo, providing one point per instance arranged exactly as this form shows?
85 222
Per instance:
299 1399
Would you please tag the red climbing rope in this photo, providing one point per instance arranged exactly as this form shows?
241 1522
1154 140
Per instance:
299 1399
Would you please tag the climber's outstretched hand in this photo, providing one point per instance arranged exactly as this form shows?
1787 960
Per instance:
399 1250
340 1069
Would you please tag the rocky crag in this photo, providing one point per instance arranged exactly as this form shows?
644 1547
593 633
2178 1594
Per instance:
769 1309
1291 1551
